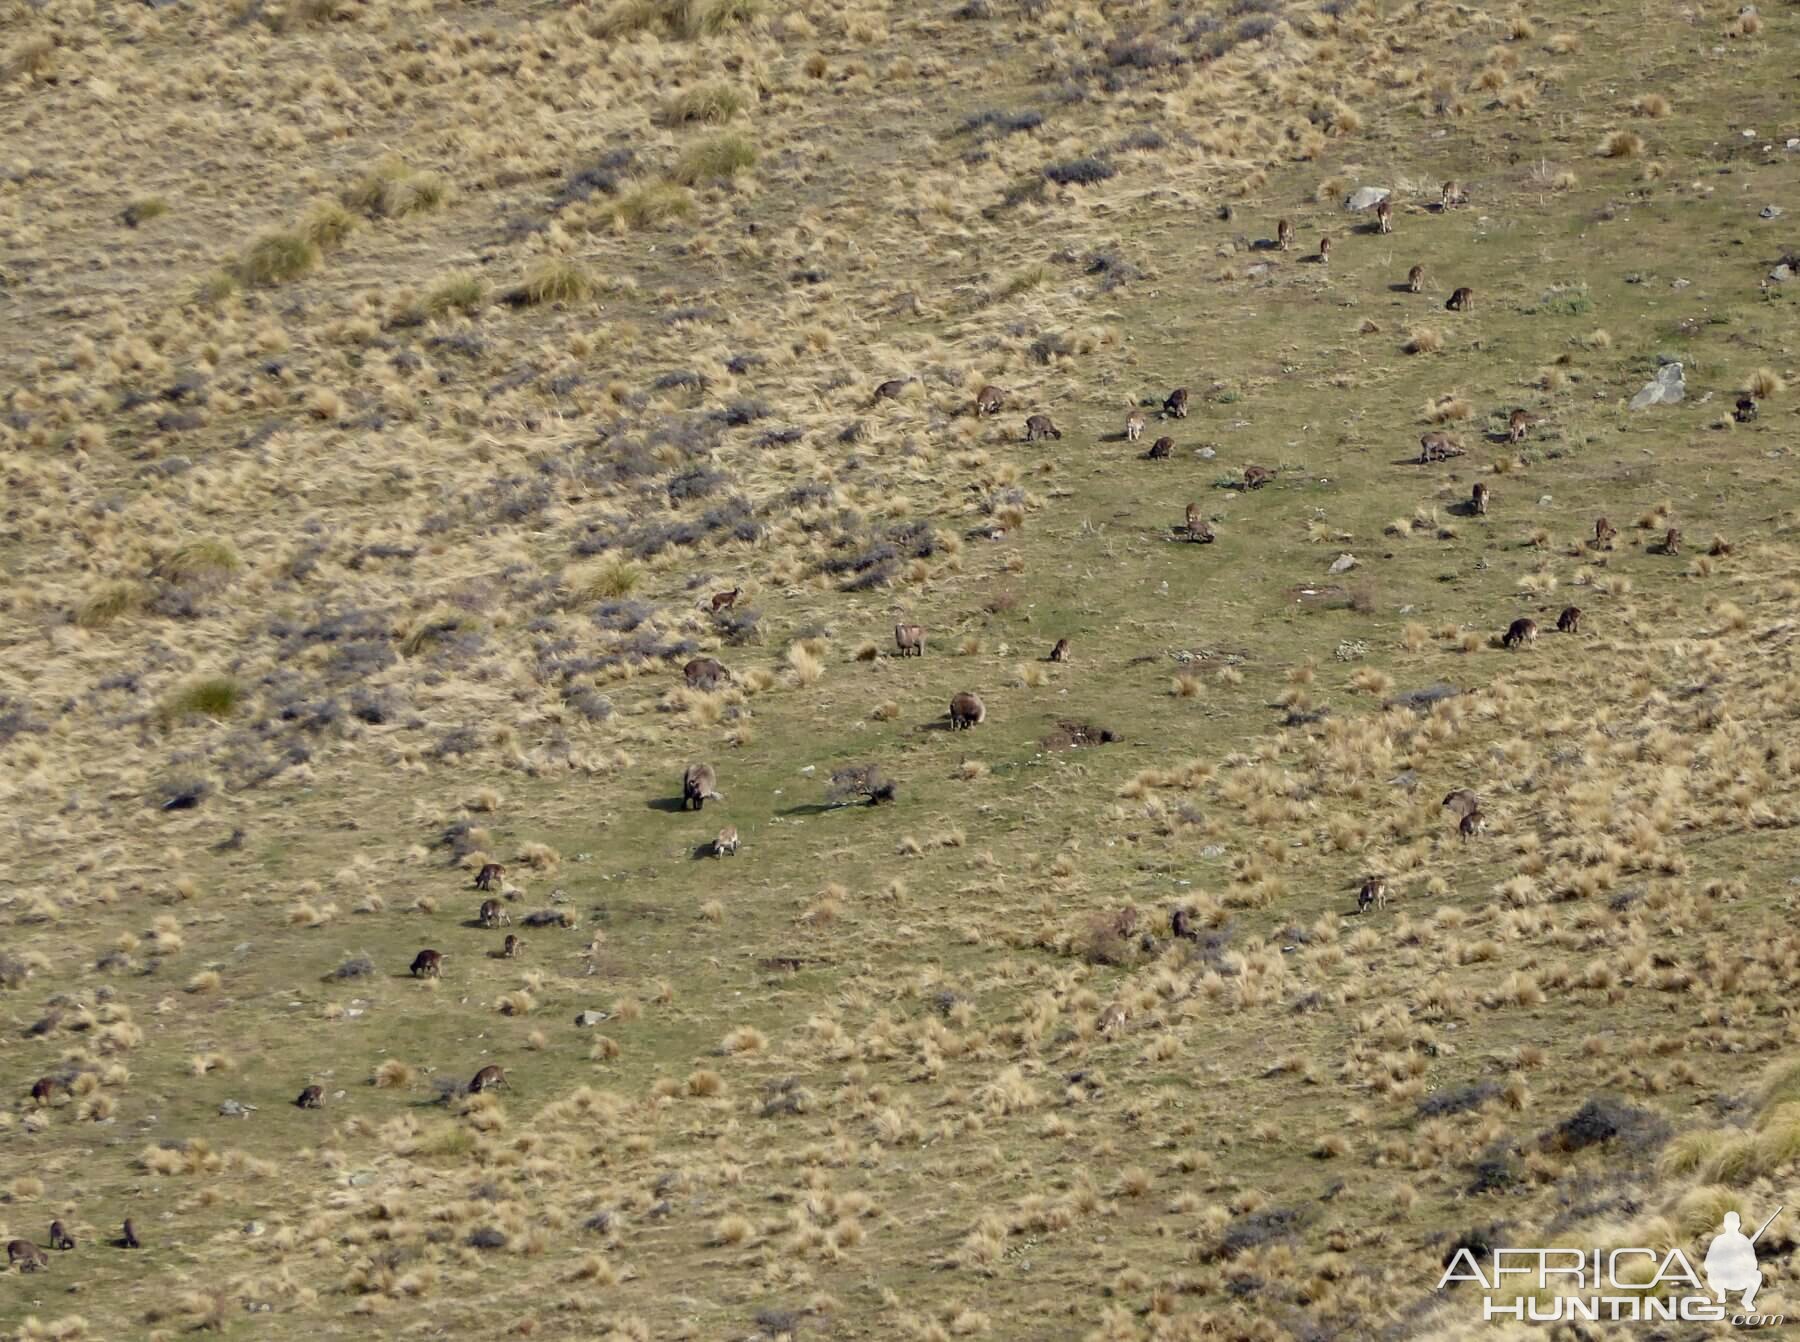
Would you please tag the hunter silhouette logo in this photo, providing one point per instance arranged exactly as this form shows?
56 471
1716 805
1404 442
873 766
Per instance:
1610 1285
1731 1260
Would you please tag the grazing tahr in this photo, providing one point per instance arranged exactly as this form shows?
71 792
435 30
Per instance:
488 1078
1452 195
1719 548
128 1236
1384 217
1463 300
1039 427
909 639
510 948
1175 406
990 400
1518 425
313 1097
1134 426
1060 653
1604 533
1471 824
891 389
1478 499
1745 412
699 785
1415 280
1181 925
490 875
966 710
1437 446
1521 631
428 964
1461 802
1325 251
493 914
1112 1020
726 600
726 842
60 1238
1196 520
1672 541
26 1256
1284 235
1569 622
705 673
1373 894
1160 449
1255 477
46 1088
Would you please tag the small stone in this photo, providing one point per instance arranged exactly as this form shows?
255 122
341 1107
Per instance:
1770 212
233 1109
362 1179
253 1229
1749 133
1343 563
1782 272
1544 501
590 1018
1206 454
1679 284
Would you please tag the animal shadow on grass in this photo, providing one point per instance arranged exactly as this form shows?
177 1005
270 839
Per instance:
1265 245
667 804
1400 288
704 849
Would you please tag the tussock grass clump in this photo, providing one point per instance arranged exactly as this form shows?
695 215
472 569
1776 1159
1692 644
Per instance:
649 205
712 104
109 602
1764 383
1652 105
1621 144
608 580
391 190
215 697
1423 340
717 159
555 279
276 258
143 210
459 293
326 225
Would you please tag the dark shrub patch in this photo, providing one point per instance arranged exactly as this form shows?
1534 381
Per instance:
1603 1119
698 483
1258 1229
994 122
1459 1100
1080 171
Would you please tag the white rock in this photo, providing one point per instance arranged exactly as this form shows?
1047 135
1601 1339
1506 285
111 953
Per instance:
1666 388
1343 563
1365 198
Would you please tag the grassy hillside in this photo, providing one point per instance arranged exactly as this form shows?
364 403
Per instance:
389 388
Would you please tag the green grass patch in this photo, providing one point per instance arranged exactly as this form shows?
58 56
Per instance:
326 225
200 561
721 157
109 602
391 190
276 258
459 293
651 204
216 697
713 104
556 279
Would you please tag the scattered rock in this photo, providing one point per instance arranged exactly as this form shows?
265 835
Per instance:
1770 212
1343 563
1365 198
1782 272
233 1109
588 1018
1666 388
1206 454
